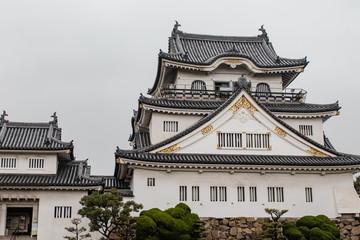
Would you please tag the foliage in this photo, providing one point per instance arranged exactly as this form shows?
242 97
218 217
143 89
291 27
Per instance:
78 232
357 184
273 228
312 228
109 215
172 224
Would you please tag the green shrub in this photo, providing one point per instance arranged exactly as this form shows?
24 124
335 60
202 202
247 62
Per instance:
318 234
172 224
311 228
292 232
145 224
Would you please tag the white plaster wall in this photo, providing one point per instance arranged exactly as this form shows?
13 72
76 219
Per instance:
156 125
225 73
317 123
166 192
48 226
22 163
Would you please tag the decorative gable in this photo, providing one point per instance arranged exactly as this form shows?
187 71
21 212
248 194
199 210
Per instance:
243 127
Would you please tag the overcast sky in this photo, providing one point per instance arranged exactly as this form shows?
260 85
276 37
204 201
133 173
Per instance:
89 60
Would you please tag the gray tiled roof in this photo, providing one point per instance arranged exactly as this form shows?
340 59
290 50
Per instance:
205 49
68 174
113 182
241 159
31 136
211 105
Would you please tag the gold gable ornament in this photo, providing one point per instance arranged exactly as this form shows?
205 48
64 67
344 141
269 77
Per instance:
280 131
207 129
170 149
317 153
243 102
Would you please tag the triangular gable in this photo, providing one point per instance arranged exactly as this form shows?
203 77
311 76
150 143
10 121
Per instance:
241 113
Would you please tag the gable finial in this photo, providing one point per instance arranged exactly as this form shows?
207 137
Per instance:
2 117
55 118
263 33
176 26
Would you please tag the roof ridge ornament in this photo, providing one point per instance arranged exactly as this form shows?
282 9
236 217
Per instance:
176 27
243 83
55 119
263 33
3 116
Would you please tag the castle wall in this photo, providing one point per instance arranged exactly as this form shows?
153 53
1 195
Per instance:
166 192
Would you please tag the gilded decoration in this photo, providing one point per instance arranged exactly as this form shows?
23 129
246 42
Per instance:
170 149
243 102
317 153
207 129
233 61
280 131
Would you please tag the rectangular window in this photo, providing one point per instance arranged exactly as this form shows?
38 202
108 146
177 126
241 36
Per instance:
241 194
230 140
36 163
183 193
308 194
213 194
256 140
307 130
62 212
242 140
275 194
151 182
195 193
7 163
218 194
252 193
170 126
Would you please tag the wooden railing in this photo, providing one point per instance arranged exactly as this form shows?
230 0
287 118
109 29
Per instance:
191 94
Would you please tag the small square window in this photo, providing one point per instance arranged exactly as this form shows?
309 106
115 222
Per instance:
62 211
151 182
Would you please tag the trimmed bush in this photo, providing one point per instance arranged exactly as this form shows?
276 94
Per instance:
311 228
172 224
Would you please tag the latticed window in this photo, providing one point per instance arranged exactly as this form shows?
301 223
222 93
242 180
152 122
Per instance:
151 182
8 163
242 140
198 85
275 194
62 211
195 193
241 194
263 89
218 194
36 163
252 194
183 193
307 130
170 126
308 194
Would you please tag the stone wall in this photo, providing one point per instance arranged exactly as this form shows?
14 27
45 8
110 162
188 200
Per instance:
249 228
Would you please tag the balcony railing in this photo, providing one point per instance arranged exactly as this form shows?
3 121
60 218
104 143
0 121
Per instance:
287 95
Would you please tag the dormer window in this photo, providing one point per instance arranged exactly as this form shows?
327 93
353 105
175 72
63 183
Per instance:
263 89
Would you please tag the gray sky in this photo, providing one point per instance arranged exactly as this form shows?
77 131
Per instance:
89 60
